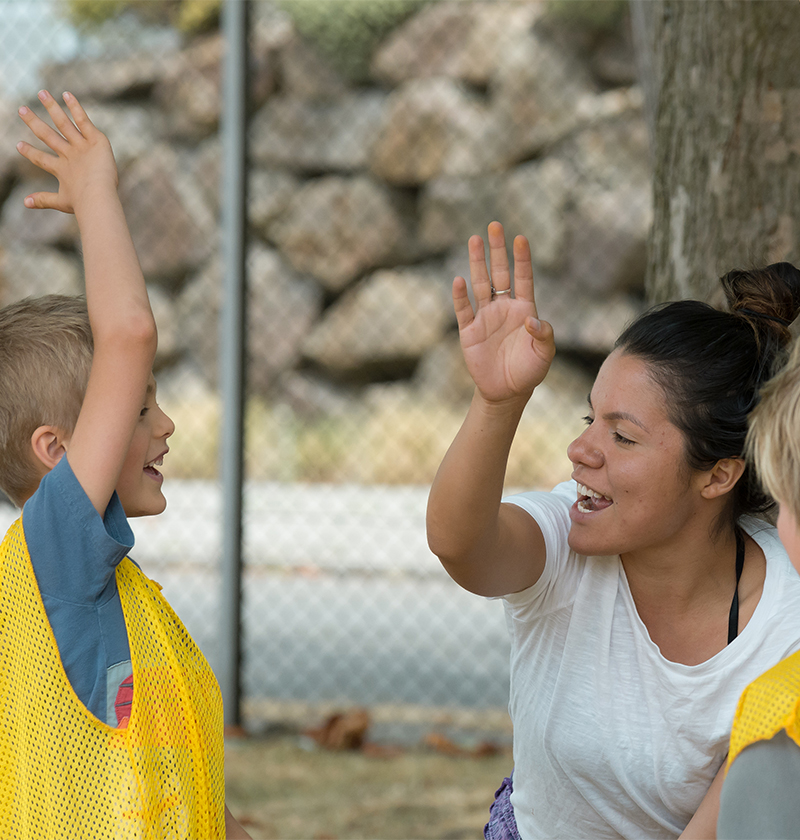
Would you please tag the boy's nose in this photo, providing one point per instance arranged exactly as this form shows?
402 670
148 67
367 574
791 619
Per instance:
166 427
583 451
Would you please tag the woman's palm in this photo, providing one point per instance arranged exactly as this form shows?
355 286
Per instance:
506 348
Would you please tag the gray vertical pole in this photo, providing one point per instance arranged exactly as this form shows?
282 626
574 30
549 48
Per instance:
232 343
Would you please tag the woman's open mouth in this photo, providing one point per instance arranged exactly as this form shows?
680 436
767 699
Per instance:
590 501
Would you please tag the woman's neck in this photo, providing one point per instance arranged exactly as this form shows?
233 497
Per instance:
683 592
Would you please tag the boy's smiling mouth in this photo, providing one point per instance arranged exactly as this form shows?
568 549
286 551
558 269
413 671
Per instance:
590 500
150 467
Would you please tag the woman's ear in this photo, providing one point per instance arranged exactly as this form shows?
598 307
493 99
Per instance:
49 444
722 477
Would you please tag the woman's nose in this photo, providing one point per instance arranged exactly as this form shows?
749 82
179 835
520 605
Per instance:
582 450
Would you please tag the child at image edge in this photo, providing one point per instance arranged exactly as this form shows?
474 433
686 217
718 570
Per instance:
759 797
110 717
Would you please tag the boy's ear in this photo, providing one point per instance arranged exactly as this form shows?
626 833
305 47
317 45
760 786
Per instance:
722 477
49 444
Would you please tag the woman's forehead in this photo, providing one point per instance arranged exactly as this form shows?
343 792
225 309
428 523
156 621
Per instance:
626 388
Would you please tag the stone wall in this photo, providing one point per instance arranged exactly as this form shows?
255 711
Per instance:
362 197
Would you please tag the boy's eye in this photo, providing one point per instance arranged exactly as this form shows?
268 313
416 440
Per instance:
621 438
588 420
143 411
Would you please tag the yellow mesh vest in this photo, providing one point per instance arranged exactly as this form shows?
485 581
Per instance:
769 704
66 774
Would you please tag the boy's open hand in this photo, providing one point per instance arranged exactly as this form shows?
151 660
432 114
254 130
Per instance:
83 161
507 349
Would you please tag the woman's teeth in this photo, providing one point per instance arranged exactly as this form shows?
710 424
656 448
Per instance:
590 500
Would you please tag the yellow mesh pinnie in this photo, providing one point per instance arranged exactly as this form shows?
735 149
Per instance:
769 704
63 772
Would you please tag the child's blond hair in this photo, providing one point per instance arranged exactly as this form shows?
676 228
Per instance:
773 439
45 357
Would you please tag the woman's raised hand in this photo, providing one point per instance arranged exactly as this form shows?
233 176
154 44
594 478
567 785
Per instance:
508 350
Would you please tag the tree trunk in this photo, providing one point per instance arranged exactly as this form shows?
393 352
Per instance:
722 84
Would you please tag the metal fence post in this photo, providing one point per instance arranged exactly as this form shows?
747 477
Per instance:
232 346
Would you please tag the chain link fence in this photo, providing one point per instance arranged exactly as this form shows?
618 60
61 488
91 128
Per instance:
381 135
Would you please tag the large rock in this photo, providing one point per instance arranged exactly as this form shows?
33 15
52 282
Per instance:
20 224
432 128
608 235
535 199
173 229
442 372
452 209
203 163
457 40
611 211
269 192
26 272
12 130
281 307
538 94
131 129
134 75
313 136
169 345
336 228
190 94
613 148
382 326
583 324
306 74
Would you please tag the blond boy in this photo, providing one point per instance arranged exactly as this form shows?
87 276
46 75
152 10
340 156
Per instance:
759 796
110 718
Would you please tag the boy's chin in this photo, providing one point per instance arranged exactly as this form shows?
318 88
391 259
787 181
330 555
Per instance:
133 510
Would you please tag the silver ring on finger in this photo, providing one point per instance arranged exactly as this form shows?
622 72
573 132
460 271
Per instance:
498 292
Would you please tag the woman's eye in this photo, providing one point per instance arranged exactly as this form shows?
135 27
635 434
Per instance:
143 411
588 420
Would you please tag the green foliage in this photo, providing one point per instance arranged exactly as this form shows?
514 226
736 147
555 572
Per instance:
347 31
94 12
596 14
188 16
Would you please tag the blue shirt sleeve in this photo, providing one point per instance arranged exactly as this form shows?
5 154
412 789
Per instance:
75 553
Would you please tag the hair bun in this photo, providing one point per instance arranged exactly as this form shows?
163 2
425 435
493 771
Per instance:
770 295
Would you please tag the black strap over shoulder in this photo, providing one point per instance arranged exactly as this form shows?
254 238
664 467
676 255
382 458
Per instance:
733 616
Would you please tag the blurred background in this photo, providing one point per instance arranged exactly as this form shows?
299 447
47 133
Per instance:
381 134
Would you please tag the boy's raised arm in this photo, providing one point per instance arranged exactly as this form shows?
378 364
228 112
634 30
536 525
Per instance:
123 327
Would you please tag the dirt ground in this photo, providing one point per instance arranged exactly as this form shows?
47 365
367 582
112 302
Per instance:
285 787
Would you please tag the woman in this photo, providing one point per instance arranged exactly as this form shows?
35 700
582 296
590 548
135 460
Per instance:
641 597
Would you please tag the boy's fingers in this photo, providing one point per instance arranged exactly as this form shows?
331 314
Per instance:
463 308
82 121
60 120
49 136
498 257
37 157
43 201
478 274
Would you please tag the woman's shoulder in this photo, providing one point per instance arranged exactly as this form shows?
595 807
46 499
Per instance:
547 504
778 563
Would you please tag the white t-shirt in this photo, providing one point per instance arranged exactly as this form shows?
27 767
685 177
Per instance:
610 738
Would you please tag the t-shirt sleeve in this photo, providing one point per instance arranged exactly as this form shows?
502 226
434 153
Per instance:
75 553
557 584
759 797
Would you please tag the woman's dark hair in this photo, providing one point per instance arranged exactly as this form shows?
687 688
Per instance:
712 364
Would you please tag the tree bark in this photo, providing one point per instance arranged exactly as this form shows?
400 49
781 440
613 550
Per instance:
722 84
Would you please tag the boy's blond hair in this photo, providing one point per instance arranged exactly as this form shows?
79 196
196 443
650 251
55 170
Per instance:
45 357
773 439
